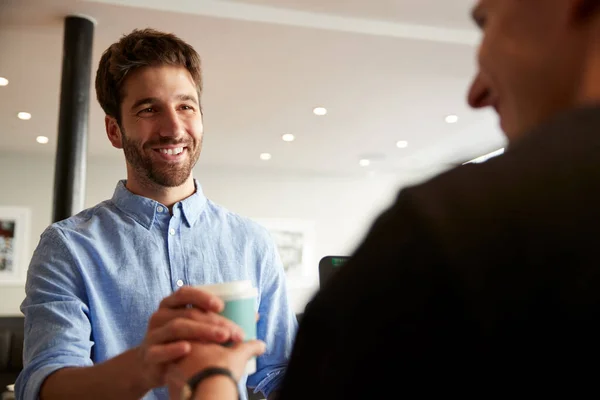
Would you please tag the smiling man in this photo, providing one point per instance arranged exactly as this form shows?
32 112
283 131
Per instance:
108 290
485 281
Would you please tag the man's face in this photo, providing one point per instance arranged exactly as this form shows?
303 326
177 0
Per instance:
161 125
530 61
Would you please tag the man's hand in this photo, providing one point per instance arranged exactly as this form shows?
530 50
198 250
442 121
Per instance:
204 355
188 315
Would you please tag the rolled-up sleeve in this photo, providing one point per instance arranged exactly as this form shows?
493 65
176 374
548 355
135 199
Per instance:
277 325
57 325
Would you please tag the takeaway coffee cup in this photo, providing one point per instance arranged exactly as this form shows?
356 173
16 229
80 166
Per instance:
240 300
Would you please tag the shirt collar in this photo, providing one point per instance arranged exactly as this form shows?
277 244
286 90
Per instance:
144 210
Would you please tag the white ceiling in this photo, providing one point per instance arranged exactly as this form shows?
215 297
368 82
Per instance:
386 70
438 13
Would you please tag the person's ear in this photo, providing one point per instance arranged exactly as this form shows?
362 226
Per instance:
113 131
584 10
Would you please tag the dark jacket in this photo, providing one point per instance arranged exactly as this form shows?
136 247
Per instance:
480 281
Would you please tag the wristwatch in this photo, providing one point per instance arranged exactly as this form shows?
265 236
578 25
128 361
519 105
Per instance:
189 389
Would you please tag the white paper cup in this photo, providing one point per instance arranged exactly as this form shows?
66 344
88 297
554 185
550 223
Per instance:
240 300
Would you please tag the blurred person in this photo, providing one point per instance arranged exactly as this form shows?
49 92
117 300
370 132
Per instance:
105 310
485 279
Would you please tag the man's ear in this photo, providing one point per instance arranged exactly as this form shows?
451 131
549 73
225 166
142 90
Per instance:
584 10
113 131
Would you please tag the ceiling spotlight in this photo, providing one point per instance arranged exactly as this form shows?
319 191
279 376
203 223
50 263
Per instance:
42 139
452 119
24 116
3 81
288 137
364 162
265 156
402 144
320 111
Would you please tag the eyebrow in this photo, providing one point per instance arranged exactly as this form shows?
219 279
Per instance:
152 100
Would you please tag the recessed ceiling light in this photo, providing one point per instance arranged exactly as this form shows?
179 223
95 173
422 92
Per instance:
288 137
451 119
24 115
3 81
364 162
42 139
402 144
320 111
265 156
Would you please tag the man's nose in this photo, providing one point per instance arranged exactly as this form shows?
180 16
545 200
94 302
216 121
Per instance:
171 125
479 93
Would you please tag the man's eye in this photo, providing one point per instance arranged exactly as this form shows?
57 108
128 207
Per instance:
148 110
185 107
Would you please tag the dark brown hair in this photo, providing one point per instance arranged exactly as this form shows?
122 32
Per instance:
141 48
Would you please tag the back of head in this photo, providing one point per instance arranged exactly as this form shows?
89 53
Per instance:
141 48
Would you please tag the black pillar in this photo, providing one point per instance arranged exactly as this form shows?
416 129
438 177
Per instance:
71 148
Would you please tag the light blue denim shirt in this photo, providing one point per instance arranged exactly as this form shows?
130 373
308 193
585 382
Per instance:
96 278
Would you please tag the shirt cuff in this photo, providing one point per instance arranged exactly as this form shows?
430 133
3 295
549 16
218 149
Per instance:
28 385
271 382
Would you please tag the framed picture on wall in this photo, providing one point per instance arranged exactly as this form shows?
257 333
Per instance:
14 246
295 241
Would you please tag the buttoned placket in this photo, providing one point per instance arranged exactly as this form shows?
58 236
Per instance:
174 247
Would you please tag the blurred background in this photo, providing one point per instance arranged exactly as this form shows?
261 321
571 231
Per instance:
316 112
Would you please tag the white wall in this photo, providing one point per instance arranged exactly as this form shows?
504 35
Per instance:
342 208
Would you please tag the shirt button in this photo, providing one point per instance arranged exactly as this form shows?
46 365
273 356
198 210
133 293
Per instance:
180 283
172 232
159 209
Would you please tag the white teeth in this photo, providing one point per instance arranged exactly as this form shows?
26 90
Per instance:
177 150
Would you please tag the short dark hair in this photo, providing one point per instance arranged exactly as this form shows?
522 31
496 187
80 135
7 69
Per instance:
141 48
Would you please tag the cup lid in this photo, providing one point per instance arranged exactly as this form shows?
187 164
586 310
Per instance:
228 289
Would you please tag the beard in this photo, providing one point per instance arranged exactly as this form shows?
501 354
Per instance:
160 173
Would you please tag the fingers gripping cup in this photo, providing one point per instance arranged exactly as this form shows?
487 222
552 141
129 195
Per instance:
240 300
